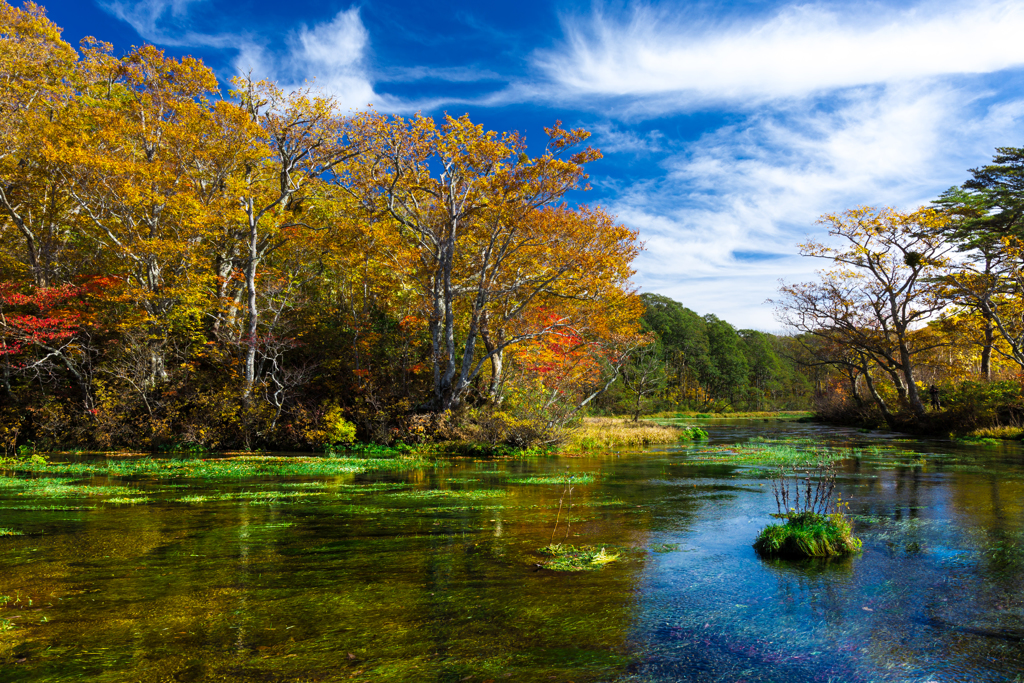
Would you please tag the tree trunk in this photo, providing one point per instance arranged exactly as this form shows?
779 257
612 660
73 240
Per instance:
913 395
252 309
986 349
879 401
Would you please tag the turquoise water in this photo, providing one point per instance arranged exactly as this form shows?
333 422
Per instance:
432 574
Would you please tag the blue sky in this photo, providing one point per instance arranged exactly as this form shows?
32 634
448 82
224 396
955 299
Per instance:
728 128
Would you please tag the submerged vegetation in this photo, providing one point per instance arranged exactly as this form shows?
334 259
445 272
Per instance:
562 557
762 451
231 467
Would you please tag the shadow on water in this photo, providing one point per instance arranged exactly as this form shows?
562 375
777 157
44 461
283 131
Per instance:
432 574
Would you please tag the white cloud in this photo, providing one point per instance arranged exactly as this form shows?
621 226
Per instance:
165 22
452 74
759 187
613 139
330 56
800 50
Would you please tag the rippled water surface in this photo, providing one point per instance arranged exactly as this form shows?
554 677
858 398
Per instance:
432 574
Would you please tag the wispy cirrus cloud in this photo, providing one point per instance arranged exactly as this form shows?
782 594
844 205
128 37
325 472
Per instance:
166 22
797 51
451 74
613 139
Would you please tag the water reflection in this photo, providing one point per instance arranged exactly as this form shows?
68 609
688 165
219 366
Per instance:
431 575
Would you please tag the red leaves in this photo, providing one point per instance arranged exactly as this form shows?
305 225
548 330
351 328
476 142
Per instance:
39 318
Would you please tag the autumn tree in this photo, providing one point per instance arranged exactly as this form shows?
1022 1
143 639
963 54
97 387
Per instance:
38 74
492 242
881 286
987 226
301 138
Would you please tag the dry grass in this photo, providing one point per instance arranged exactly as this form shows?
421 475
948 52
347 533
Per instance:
998 433
757 414
599 433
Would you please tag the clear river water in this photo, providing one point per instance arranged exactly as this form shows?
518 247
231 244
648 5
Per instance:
432 574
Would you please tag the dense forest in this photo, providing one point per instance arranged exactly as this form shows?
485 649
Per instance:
703 364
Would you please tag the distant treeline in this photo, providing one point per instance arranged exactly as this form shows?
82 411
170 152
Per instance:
702 363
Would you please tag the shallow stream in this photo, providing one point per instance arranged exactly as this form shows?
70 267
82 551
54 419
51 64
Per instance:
432 574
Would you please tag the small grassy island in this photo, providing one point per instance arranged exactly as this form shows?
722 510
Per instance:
815 525
562 557
808 534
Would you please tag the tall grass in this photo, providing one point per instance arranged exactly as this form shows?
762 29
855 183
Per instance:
1003 432
602 433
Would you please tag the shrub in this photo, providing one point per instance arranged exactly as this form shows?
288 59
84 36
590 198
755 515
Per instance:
333 429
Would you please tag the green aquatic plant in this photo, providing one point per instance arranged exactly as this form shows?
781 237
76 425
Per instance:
584 478
232 467
774 452
815 525
447 493
129 501
665 547
808 534
9 532
973 440
52 487
693 434
195 499
562 557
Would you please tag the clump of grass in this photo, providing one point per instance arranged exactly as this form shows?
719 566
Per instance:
4 531
600 433
1004 432
562 557
129 501
815 526
808 534
193 500
693 434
